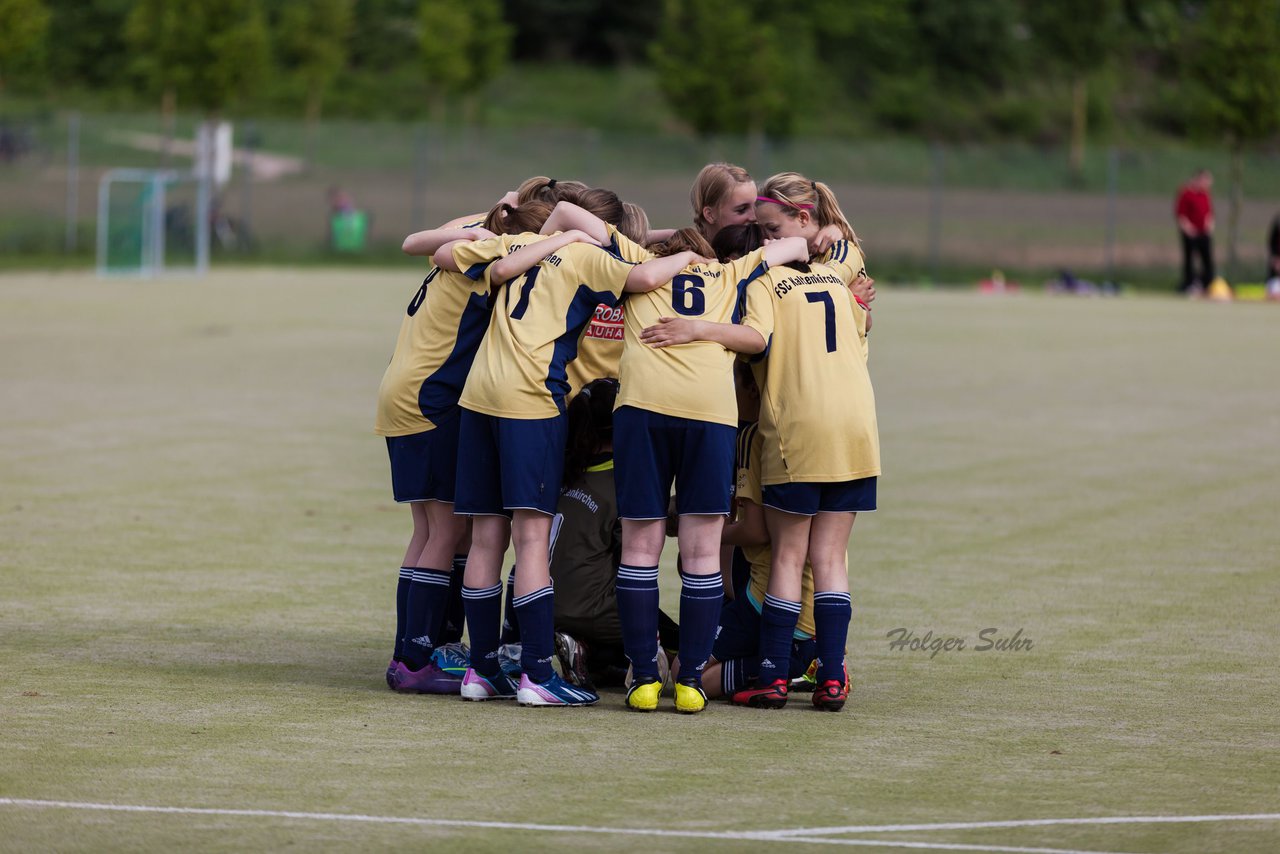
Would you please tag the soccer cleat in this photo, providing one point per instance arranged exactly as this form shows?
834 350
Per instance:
806 682
830 696
452 658
690 699
573 661
771 696
429 680
477 687
393 670
509 660
643 696
554 692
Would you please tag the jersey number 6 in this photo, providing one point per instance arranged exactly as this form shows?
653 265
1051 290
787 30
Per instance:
687 297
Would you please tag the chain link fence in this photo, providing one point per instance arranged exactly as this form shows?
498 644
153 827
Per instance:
925 211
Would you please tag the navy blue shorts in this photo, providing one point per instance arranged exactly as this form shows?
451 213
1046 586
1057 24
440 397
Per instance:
650 450
507 464
739 637
808 499
424 465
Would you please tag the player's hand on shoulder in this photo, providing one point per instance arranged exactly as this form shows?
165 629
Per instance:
822 241
669 331
577 235
864 288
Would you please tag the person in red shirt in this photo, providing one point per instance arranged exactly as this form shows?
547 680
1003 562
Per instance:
1194 212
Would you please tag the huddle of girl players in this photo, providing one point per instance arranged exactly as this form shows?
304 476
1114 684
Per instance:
560 285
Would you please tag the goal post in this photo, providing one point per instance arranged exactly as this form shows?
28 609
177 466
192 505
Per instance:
153 222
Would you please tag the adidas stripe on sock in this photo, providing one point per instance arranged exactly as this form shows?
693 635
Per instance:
483 606
777 627
701 598
537 632
832 611
637 594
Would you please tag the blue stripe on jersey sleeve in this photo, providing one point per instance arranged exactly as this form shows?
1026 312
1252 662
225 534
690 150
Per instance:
581 309
740 307
440 391
475 271
615 250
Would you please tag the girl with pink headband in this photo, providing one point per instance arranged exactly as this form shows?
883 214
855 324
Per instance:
791 205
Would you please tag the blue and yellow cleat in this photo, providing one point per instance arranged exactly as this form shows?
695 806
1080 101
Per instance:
452 658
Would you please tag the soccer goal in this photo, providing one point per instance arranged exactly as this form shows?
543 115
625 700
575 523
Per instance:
152 222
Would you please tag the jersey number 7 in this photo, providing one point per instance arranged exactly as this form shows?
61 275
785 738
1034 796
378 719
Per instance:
829 310
522 305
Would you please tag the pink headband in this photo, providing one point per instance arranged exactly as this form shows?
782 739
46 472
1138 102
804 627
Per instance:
774 201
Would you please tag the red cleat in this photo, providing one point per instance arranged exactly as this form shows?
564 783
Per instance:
830 696
771 696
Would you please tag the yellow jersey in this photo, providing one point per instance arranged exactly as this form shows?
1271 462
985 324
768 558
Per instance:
750 449
519 371
693 380
439 336
817 407
600 347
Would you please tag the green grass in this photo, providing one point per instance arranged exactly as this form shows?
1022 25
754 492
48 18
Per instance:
200 551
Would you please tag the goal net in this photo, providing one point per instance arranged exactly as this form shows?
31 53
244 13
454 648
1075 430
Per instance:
152 222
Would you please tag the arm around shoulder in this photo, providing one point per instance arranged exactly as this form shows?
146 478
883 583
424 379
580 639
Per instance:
567 216
427 243
652 275
670 331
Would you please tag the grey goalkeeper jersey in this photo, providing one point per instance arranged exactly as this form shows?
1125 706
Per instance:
586 547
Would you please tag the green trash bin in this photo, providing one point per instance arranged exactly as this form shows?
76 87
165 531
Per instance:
349 231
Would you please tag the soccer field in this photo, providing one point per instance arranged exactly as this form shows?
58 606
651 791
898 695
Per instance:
198 551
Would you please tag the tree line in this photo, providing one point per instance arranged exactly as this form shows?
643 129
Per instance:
1036 70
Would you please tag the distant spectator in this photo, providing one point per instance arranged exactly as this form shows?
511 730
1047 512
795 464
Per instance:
1194 212
348 225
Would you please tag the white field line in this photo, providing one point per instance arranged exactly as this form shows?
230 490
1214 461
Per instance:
1030 822
543 828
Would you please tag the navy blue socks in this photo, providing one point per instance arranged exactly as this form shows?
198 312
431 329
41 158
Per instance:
777 628
451 631
536 612
637 593
424 614
701 597
484 612
402 609
832 612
